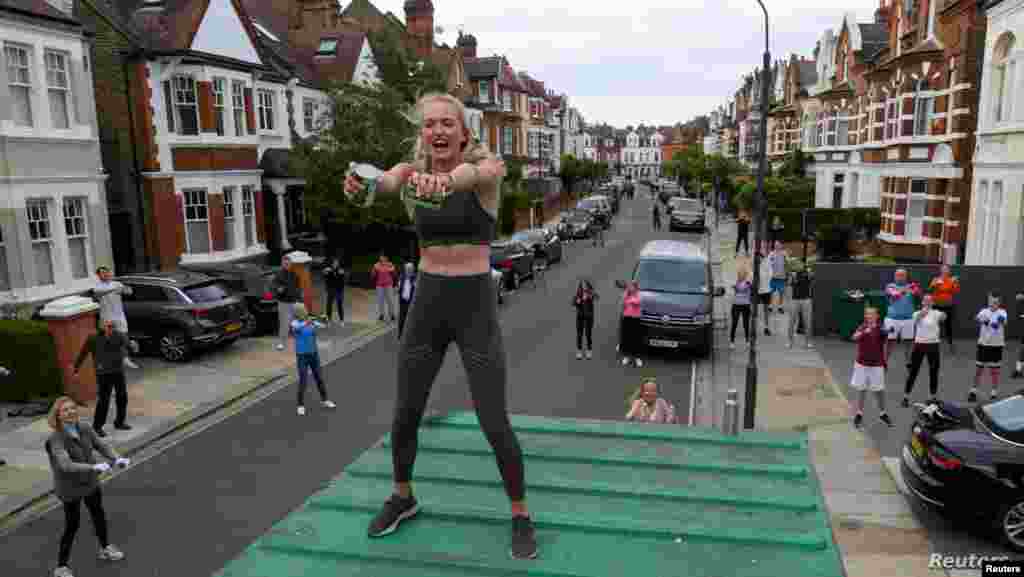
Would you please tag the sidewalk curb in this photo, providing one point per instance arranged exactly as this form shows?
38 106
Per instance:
42 491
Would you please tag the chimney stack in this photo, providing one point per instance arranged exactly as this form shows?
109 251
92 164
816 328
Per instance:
419 21
467 45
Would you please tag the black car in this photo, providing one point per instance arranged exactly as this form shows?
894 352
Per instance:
676 291
545 244
251 282
176 313
969 462
514 260
685 214
577 224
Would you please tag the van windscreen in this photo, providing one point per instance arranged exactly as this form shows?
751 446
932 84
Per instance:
672 276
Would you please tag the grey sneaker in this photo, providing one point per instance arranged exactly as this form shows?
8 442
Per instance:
63 571
396 509
110 553
524 541
639 363
579 355
589 354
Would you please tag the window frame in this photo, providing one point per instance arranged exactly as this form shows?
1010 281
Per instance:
64 91
484 90
265 110
309 112
238 107
46 223
249 215
927 105
1003 68
80 204
507 140
182 86
228 194
915 198
205 206
5 273
331 50
219 104
25 85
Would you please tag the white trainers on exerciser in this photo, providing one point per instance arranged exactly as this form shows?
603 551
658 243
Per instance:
110 553
329 405
63 571
301 411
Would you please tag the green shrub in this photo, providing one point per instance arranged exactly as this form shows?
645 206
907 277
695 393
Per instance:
31 355
866 219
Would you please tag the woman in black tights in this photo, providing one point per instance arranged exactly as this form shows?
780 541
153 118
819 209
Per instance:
454 198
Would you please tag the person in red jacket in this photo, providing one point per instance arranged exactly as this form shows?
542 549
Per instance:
869 368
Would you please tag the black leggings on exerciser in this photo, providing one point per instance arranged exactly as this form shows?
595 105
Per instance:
73 518
462 310
584 327
917 355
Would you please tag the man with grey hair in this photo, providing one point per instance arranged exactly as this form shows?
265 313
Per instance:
107 294
288 293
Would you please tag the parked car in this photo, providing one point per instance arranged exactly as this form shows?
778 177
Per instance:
252 283
676 291
514 260
577 224
968 462
177 313
546 246
685 214
599 207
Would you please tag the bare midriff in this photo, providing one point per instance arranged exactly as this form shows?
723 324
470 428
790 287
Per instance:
456 260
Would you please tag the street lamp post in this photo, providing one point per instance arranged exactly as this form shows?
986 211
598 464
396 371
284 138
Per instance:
751 388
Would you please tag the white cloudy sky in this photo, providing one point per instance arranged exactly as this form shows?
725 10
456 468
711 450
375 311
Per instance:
651 61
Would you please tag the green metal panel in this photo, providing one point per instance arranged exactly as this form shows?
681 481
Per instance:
607 498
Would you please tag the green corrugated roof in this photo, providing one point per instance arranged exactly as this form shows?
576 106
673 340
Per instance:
607 499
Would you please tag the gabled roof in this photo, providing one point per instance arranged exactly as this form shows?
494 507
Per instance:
38 8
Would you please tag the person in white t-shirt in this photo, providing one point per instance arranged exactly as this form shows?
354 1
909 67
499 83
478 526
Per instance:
764 288
927 326
108 294
991 340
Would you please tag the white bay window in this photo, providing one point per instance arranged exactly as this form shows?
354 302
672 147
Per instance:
40 233
18 59
197 221
58 89
77 232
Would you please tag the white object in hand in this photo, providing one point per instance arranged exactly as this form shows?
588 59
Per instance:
101 467
4 372
122 462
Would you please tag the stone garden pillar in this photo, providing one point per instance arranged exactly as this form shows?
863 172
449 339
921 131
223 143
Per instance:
301 263
71 320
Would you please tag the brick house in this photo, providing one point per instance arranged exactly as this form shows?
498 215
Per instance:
191 100
784 127
495 89
841 117
921 94
54 229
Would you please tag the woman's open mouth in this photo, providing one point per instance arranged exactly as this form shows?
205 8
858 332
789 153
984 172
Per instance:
439 144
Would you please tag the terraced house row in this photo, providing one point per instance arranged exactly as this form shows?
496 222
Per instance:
142 134
912 112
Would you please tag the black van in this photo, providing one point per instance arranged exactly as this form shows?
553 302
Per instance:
676 292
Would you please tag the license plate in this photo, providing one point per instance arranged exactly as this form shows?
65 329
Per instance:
233 327
916 448
663 343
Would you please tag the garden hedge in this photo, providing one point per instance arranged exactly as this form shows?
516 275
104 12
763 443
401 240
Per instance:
826 220
30 353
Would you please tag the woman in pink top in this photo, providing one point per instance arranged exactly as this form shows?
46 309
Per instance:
384 281
648 407
628 324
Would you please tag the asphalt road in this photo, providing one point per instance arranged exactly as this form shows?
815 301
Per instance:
947 536
190 509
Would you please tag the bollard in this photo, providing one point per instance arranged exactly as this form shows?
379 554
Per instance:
731 418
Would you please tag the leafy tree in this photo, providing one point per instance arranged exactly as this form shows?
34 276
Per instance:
400 70
795 164
569 171
368 124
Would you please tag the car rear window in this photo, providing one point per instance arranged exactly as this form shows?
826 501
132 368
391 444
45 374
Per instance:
1005 417
207 293
685 205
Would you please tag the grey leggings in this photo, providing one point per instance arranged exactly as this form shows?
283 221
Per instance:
464 310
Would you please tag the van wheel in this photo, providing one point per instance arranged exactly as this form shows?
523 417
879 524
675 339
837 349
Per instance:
1008 522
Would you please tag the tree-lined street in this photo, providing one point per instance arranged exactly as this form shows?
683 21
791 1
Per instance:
193 507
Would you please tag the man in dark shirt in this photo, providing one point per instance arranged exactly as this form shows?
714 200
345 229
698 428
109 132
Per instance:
108 349
288 293
800 305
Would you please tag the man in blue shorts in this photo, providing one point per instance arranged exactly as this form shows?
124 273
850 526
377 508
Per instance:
778 260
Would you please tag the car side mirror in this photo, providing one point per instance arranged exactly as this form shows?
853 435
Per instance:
719 291
620 284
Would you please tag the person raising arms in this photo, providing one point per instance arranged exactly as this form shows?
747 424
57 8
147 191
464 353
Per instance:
453 196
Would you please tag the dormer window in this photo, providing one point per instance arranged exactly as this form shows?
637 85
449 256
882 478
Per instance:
328 47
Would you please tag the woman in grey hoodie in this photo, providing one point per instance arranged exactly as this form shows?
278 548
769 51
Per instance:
77 458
